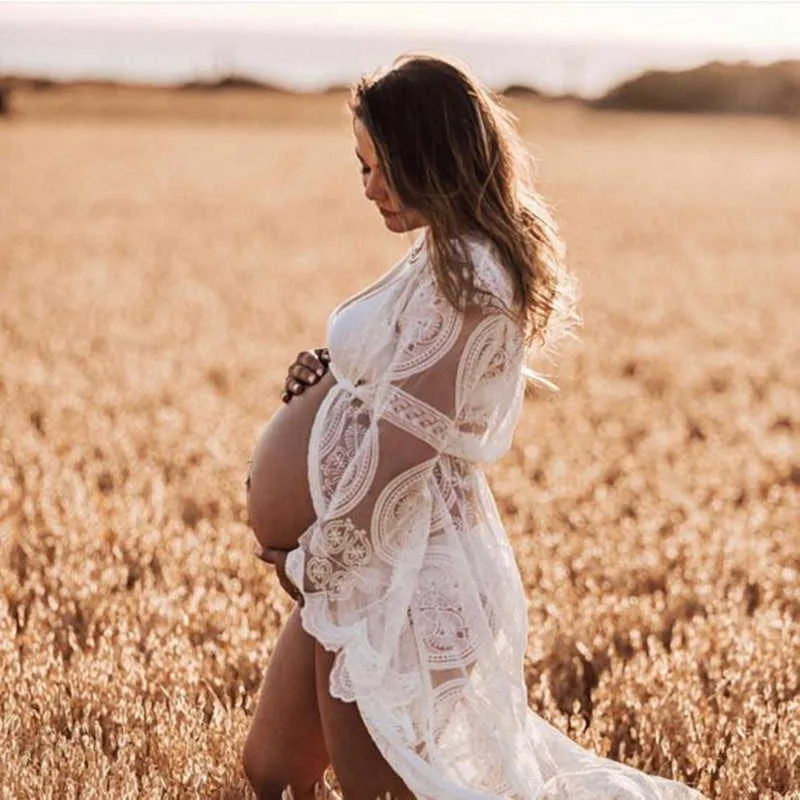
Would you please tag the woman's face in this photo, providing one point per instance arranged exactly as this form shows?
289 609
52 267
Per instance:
396 218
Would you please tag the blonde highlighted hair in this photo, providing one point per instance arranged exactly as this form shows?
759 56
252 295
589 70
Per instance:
450 150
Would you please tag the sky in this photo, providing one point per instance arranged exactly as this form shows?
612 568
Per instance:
755 24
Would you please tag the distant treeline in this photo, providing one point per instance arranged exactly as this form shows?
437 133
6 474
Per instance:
717 87
714 87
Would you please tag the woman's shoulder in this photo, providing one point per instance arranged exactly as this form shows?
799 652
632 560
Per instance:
489 272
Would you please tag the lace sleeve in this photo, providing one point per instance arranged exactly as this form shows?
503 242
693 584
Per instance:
357 564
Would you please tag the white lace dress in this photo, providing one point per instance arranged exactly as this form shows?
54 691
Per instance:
407 572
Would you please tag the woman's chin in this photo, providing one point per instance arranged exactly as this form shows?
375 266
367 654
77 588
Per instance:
398 223
394 223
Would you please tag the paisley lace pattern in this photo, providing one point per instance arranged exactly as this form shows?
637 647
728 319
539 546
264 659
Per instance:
407 573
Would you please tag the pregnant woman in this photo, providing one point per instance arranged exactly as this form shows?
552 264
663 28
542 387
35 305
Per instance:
402 663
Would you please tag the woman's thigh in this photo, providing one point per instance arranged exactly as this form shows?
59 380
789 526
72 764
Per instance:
285 745
361 770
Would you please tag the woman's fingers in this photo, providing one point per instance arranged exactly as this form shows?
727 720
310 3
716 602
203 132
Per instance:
312 360
323 354
304 374
278 559
309 367
291 387
288 586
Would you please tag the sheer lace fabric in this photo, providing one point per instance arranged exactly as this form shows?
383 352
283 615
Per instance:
407 573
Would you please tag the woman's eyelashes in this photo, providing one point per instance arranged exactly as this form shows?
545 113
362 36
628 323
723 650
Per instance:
365 168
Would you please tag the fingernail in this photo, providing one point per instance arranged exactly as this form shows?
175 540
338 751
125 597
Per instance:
319 372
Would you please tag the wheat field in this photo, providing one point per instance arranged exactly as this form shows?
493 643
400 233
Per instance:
164 257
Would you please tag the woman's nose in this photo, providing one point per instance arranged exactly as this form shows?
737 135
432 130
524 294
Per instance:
375 188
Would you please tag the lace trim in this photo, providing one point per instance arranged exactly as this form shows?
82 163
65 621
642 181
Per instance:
417 417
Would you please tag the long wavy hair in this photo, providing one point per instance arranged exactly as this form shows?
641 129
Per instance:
450 150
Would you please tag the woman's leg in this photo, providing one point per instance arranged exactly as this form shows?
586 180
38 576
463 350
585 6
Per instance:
360 768
285 745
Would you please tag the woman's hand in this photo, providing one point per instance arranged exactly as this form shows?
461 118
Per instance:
309 367
278 559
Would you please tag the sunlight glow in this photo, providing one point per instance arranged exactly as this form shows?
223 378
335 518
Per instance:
736 24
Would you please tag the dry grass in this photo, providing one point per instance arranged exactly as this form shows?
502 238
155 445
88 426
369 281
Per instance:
156 279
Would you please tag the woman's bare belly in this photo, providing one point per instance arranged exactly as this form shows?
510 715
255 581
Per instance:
279 501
